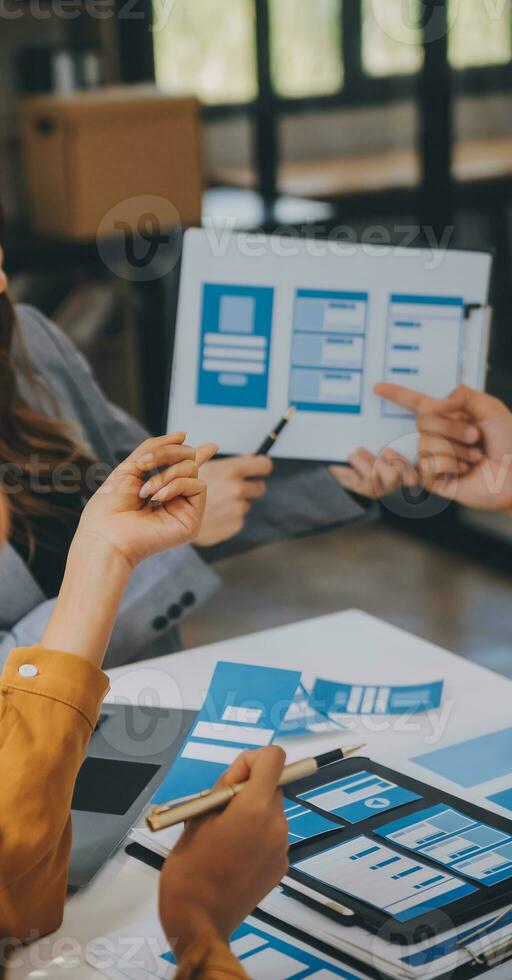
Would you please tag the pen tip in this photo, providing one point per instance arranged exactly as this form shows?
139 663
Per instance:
289 413
352 749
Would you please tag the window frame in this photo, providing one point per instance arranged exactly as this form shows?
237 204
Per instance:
359 88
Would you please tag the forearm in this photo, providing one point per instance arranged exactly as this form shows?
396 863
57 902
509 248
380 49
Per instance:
93 586
209 959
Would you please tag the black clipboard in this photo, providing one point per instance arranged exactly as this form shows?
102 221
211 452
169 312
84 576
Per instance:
485 899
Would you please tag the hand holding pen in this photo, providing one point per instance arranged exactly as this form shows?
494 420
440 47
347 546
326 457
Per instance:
176 811
203 889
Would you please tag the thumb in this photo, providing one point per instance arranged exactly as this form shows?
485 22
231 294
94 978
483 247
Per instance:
206 452
265 767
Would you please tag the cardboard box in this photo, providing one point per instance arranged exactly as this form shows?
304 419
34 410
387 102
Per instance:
90 158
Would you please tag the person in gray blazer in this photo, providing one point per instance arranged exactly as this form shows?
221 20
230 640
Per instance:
243 510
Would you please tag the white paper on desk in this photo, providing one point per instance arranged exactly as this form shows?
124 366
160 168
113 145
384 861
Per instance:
141 951
265 322
161 842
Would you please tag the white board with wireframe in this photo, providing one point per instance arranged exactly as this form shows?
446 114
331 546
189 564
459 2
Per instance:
267 322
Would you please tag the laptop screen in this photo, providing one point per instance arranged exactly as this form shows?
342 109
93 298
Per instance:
110 786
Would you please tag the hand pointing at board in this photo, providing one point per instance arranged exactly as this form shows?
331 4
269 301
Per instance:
465 445
464 450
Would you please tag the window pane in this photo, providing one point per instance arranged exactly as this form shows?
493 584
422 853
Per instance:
207 47
481 33
306 47
391 37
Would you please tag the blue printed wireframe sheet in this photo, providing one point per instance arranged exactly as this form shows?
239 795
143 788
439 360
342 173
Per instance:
243 709
372 699
304 718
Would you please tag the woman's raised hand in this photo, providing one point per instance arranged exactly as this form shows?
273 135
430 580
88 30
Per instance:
141 517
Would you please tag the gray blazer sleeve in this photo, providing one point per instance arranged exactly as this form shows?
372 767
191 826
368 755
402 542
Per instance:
151 606
301 499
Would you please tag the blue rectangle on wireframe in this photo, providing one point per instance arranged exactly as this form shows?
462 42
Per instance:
428 300
237 314
242 698
235 345
503 799
304 824
474 761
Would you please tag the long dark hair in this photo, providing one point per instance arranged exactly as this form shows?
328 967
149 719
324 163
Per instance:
31 442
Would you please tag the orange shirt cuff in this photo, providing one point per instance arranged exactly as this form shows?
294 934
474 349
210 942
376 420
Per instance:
60 676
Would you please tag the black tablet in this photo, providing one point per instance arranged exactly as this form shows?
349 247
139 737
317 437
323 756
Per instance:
402 857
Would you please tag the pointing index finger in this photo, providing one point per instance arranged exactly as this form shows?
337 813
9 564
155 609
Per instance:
413 401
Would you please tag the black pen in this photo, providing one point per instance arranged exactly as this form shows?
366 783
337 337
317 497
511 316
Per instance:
273 436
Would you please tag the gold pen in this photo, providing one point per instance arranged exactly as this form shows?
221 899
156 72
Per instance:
177 811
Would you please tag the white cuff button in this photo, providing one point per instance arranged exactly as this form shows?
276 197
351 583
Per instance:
28 670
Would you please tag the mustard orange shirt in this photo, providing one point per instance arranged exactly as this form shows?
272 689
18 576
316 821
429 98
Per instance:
49 705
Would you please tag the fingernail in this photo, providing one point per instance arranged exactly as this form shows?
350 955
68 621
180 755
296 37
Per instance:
147 458
472 433
159 496
146 491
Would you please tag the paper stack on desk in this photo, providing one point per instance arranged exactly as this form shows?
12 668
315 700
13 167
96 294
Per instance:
433 958
141 952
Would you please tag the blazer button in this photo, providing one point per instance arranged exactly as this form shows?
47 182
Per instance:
159 623
175 611
188 599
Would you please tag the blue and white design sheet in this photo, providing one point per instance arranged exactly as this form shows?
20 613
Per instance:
449 944
448 837
328 351
372 873
423 331
140 951
304 823
235 343
372 699
267 954
243 709
473 761
504 798
303 718
358 797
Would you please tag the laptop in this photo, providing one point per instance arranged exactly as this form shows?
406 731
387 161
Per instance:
130 752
